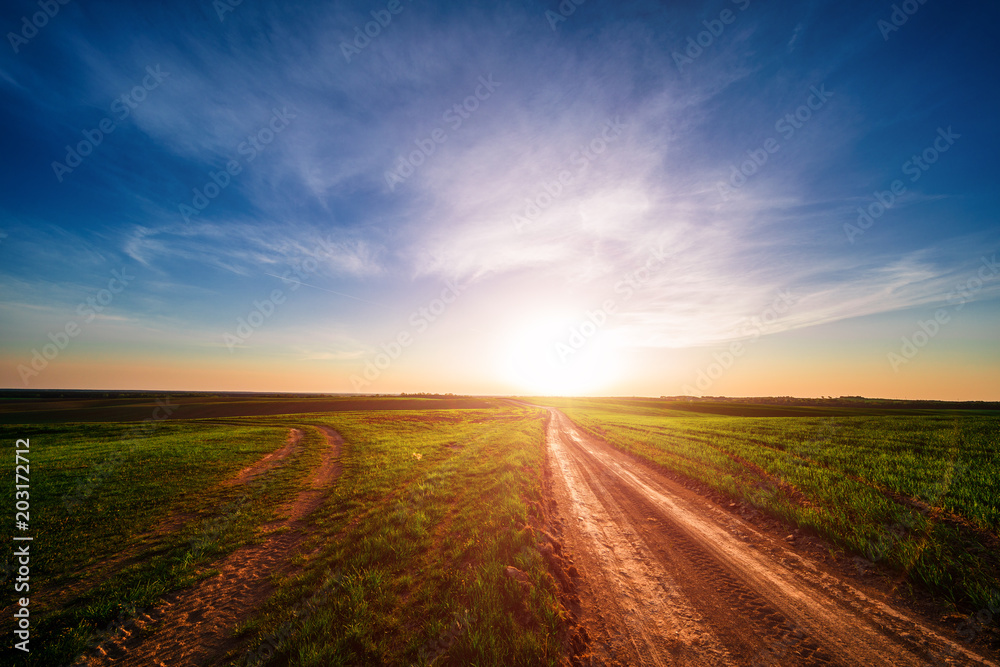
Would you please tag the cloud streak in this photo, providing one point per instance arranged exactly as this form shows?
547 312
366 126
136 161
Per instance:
591 148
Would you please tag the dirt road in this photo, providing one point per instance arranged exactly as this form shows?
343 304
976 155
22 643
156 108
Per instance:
668 578
194 626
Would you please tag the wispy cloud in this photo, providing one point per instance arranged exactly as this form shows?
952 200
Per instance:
591 149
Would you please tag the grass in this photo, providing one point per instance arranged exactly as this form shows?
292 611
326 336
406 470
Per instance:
86 406
97 490
406 559
919 492
407 553
412 549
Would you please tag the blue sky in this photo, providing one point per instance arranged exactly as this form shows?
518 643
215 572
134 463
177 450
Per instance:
589 160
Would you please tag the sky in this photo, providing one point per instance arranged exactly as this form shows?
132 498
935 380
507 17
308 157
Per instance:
632 198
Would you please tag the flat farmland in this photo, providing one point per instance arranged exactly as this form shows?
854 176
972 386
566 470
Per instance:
249 540
818 531
120 406
919 491
487 531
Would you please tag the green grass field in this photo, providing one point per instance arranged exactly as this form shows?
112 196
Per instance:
919 491
408 545
411 544
97 490
404 561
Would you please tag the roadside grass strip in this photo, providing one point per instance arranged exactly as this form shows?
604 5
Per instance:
921 493
409 557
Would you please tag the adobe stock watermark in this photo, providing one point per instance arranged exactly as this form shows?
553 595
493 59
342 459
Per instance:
121 108
211 530
566 9
454 117
714 28
893 536
262 310
86 311
915 167
787 126
101 472
37 21
119 628
439 646
249 149
900 14
372 29
298 615
223 7
927 329
594 320
553 189
776 651
967 631
420 320
751 331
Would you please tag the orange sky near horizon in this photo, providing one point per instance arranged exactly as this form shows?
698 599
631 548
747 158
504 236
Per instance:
652 372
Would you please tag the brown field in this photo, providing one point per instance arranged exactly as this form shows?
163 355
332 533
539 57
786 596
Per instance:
48 410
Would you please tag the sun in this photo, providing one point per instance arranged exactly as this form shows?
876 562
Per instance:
560 356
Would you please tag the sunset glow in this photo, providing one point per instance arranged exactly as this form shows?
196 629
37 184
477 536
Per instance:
487 200
562 358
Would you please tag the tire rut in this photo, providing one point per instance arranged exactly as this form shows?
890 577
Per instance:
193 626
622 586
754 627
730 594
267 462
150 538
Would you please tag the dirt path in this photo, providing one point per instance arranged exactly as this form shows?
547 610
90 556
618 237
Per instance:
268 462
194 626
166 526
668 578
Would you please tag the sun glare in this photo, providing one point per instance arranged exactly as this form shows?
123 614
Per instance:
560 356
